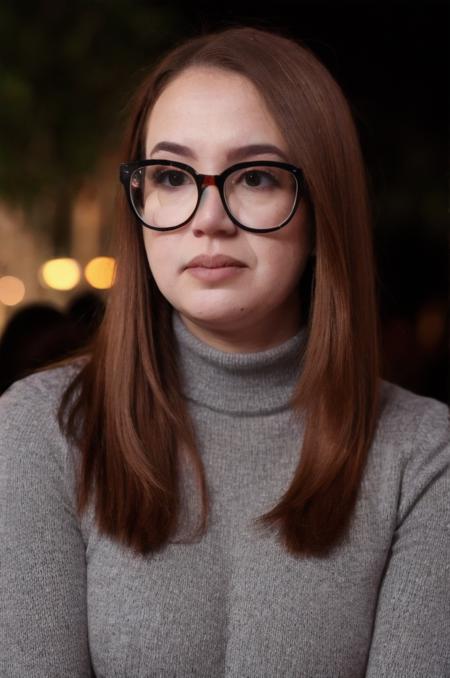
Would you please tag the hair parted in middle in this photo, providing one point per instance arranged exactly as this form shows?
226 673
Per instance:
125 410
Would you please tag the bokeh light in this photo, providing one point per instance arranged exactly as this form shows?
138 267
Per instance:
12 290
430 328
100 272
60 274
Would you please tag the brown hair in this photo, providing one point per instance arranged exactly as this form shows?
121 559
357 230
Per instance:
124 408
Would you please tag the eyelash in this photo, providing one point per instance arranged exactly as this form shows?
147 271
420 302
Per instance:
160 176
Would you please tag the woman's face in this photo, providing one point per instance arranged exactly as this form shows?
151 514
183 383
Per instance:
214 115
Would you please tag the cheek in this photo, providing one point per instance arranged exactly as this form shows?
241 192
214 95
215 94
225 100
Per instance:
281 265
160 255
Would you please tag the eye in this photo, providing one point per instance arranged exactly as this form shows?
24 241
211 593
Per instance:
171 178
256 178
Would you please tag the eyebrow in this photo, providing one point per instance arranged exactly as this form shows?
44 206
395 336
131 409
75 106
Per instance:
233 155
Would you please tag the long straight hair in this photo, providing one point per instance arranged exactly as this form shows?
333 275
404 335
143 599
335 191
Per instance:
124 409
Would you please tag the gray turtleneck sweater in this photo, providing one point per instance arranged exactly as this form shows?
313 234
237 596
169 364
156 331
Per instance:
235 604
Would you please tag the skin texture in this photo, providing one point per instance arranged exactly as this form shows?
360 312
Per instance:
212 112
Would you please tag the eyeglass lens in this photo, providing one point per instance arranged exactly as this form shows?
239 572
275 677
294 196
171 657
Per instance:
258 197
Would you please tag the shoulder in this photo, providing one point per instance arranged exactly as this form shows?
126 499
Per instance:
50 382
31 442
412 444
38 394
406 416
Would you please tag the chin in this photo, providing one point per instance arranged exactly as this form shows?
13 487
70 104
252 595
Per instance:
218 316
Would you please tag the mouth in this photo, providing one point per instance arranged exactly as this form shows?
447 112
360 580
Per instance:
216 261
214 273
214 267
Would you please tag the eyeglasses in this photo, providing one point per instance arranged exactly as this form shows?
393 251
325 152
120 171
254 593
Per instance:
257 196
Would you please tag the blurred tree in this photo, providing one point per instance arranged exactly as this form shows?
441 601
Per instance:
65 72
68 69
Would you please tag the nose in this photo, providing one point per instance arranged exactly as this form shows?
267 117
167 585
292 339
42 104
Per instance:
211 217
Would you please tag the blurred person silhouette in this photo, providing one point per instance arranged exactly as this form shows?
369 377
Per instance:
414 311
86 312
37 334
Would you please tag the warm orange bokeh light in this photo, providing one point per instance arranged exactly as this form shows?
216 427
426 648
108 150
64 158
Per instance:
100 272
12 290
60 274
430 327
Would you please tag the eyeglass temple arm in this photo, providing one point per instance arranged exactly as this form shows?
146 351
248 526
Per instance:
124 173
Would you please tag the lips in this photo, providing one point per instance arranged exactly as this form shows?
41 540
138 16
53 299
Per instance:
215 261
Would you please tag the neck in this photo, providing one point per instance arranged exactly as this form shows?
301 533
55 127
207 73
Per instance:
244 338
240 383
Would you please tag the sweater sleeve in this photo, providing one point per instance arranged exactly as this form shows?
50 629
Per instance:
43 621
411 633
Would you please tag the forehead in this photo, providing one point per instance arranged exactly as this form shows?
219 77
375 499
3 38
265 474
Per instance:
211 110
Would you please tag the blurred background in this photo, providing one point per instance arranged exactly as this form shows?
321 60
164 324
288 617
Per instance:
67 71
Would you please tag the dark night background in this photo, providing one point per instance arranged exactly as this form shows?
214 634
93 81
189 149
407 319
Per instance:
67 70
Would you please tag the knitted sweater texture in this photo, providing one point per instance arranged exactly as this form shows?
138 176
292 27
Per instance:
234 604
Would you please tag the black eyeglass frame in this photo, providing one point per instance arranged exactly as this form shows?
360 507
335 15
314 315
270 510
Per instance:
203 180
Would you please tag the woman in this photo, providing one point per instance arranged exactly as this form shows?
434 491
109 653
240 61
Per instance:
232 490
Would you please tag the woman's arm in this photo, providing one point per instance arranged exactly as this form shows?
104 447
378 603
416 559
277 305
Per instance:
411 634
43 620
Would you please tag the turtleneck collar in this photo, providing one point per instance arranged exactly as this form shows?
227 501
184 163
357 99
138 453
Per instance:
239 383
